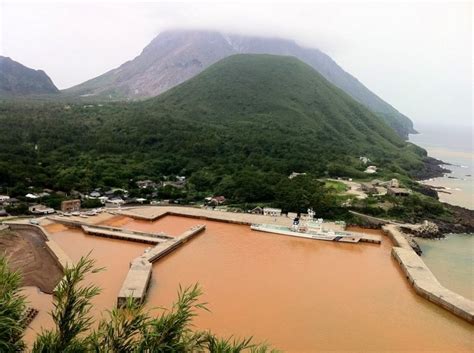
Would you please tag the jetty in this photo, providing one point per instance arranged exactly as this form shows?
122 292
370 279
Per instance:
138 277
423 280
122 234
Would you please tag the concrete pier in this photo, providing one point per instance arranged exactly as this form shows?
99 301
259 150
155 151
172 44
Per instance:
423 280
123 235
136 283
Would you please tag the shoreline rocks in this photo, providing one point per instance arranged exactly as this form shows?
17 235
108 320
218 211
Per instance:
432 169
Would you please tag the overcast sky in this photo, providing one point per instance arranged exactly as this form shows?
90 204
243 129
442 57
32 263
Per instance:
416 55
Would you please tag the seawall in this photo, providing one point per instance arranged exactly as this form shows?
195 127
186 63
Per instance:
423 280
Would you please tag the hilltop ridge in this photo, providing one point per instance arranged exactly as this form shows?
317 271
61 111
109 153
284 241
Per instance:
19 80
175 56
256 114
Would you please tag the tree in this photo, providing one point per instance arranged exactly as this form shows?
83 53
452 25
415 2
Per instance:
72 304
130 328
12 309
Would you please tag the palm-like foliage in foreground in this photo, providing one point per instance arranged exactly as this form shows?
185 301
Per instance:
129 329
12 309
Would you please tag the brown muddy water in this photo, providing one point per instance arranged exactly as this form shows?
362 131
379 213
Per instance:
299 295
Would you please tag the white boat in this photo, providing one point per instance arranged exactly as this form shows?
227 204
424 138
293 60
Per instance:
308 233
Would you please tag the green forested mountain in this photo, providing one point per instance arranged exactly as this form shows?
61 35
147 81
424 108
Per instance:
246 120
177 55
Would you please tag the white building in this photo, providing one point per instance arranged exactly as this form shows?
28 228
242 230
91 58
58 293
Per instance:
273 212
40 209
4 198
295 174
371 169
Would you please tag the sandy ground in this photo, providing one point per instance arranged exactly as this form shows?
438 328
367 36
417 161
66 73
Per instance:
27 254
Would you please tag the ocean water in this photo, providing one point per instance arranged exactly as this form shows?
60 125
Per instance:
453 145
451 259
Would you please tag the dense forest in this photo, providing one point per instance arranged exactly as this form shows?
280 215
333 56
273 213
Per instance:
237 129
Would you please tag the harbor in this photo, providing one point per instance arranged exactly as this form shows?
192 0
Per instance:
262 273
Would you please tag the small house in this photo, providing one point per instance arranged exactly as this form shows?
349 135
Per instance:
217 200
394 183
273 212
371 169
398 191
369 188
40 209
257 210
143 184
70 206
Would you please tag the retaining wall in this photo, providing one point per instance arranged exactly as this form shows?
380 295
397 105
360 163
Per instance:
62 259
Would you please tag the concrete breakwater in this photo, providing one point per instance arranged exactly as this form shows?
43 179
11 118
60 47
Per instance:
62 259
423 280
153 213
123 234
138 277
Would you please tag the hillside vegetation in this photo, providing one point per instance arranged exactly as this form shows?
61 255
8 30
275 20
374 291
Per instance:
177 55
239 128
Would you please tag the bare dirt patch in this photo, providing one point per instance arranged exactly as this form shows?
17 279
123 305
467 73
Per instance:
27 253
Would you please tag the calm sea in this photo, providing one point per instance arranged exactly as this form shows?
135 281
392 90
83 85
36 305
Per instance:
451 259
453 145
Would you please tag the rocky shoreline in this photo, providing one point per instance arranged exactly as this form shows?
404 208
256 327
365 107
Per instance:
463 220
432 169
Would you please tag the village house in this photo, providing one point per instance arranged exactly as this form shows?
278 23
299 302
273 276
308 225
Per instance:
394 183
371 169
40 209
143 184
369 188
397 191
257 210
69 206
216 200
9 202
273 212
32 196
294 175
4 198
94 194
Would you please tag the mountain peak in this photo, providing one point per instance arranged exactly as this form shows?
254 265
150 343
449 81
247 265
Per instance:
19 80
174 56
